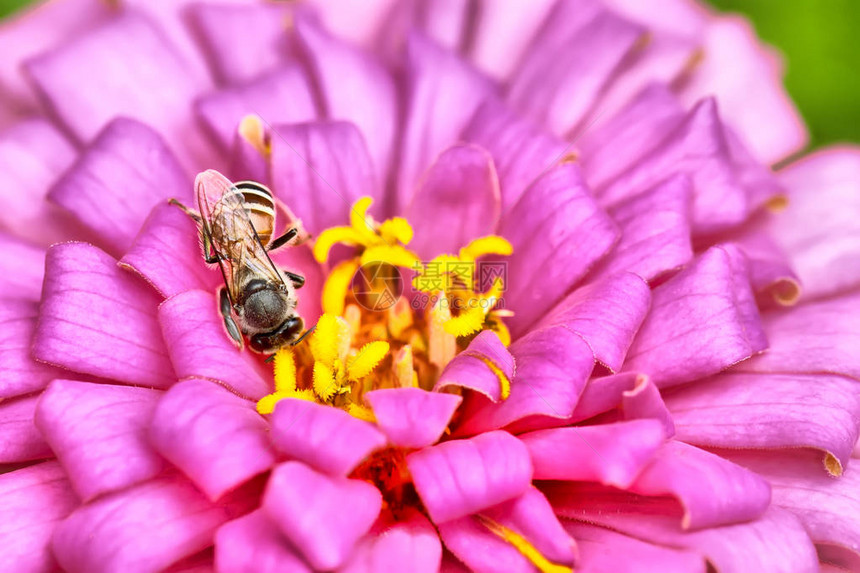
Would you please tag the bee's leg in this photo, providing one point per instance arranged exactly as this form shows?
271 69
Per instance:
283 239
297 280
190 212
209 254
226 307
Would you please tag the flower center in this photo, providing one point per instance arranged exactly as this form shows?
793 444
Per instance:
358 347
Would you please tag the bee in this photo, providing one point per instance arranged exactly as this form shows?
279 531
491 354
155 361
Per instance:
236 223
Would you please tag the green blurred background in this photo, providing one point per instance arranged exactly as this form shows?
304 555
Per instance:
819 39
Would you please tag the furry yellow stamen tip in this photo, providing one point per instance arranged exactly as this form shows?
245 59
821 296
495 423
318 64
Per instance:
489 245
337 285
367 359
330 339
466 323
396 229
285 371
252 130
361 412
325 381
525 547
396 255
330 237
266 404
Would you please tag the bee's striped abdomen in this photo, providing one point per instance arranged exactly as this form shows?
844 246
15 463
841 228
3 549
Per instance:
260 206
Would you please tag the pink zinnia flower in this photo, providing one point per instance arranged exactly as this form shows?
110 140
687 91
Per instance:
655 393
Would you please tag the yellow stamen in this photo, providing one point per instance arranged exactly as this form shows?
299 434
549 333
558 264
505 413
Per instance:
285 371
396 255
368 358
330 237
404 369
325 381
337 285
489 245
504 381
330 340
360 220
441 345
525 547
266 404
251 129
361 412
466 323
396 229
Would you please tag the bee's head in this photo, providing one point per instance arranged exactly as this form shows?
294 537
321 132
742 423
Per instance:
285 334
264 306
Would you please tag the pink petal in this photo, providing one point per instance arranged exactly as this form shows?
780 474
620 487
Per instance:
446 22
813 338
612 148
22 268
35 29
819 230
679 17
606 314
605 550
521 149
770 411
559 91
126 171
740 73
215 437
354 87
442 93
308 508
828 508
252 544
129 45
32 501
460 477
702 321
612 454
440 198
263 31
644 401
280 96
773 543
470 368
504 32
357 22
552 366
655 231
320 169
576 233
771 274
529 515
713 491
19 439
411 417
33 153
144 528
326 438
199 345
699 148
408 545
167 254
21 374
99 434
78 325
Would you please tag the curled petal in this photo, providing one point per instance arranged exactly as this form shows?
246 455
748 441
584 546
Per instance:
116 533
408 545
98 432
457 478
166 253
84 294
485 366
558 232
606 314
770 411
552 366
411 417
19 439
252 544
439 200
644 401
215 437
702 321
326 438
308 509
199 345
612 454
280 96
125 172
32 501
21 373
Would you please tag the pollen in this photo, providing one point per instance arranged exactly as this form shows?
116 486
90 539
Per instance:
522 545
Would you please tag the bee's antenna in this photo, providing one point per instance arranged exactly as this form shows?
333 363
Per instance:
269 358
302 337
